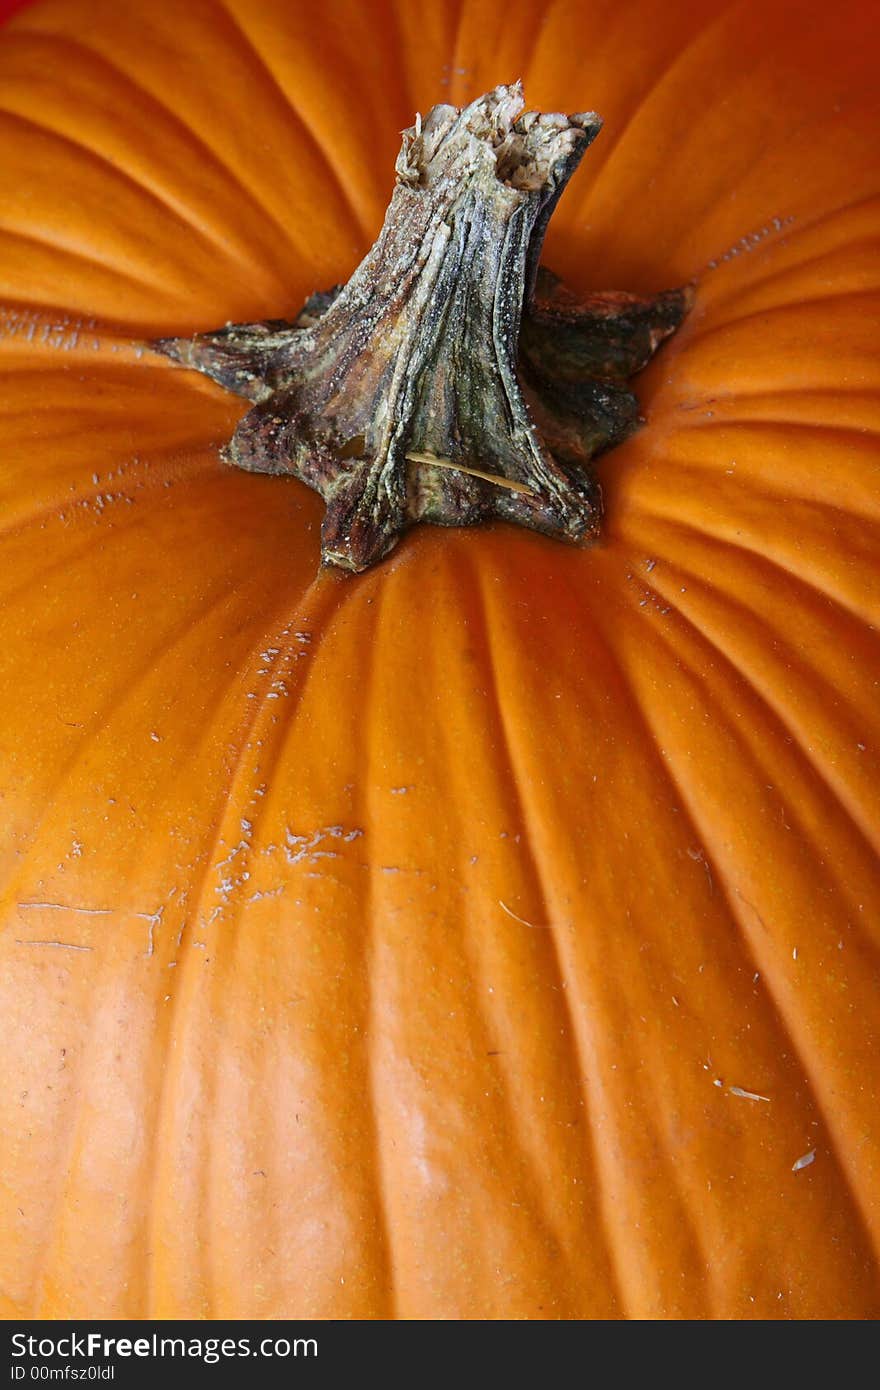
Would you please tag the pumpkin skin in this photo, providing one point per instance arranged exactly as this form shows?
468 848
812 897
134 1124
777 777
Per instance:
389 947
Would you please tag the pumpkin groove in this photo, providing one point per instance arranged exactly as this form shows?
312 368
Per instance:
464 1062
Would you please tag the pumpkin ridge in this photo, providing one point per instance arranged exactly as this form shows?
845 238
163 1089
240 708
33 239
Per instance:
539 16
398 62
806 225
698 336
123 521
757 555
630 1283
715 19
376 1141
811 1055
114 704
702 470
780 276
131 521
836 787
514 786
199 146
798 395
858 508
13 233
196 920
636 1293
255 717
786 1016
358 224
799 235
853 434
149 192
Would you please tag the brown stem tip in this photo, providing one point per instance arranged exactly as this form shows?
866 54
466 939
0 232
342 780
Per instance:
451 380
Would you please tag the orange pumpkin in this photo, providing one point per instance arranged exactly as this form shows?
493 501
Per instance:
493 934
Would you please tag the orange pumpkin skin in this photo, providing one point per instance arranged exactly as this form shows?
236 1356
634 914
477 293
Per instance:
404 945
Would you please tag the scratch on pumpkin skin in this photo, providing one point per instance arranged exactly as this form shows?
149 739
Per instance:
699 857
747 1095
64 945
536 926
153 918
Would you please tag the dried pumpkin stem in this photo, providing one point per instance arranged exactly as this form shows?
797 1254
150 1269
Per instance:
451 380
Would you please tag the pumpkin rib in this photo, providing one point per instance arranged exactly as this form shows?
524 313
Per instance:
510 791
203 152
164 202
810 123
715 18
484 917
130 522
824 1100
749 404
832 301
860 508
54 512
267 80
515 786
757 553
343 50
288 229
375 1142
115 703
637 713
198 915
372 1147
823 265
185 629
836 787
862 202
538 20
845 433
526 1147
14 234
828 1098
517 1139
790 239
724 660
729 333
632 1295
398 60
750 174
778 492
374 950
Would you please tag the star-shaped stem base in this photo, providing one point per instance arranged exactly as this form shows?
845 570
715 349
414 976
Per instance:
450 380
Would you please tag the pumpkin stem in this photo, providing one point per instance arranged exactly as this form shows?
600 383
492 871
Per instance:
450 380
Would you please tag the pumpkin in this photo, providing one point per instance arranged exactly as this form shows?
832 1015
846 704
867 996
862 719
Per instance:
493 934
